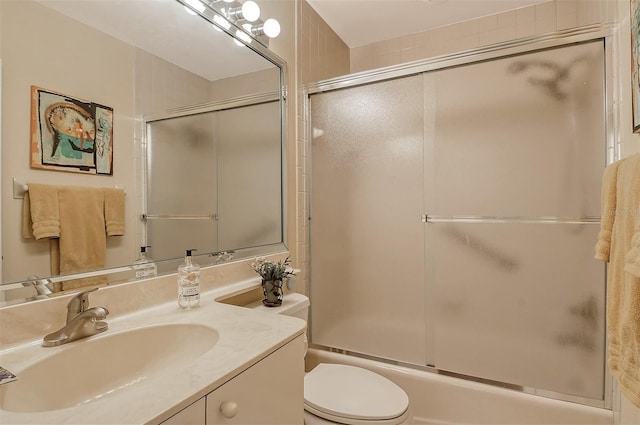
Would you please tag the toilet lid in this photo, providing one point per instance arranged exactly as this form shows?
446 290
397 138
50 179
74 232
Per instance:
353 393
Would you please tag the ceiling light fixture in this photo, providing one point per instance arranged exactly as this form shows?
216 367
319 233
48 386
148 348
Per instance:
270 28
236 12
250 10
242 36
195 4
222 24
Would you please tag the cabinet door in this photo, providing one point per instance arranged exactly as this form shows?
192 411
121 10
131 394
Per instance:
192 415
269 392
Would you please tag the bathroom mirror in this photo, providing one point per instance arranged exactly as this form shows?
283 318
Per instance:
154 62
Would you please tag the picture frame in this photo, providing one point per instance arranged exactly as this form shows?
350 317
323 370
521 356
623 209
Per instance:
635 63
70 134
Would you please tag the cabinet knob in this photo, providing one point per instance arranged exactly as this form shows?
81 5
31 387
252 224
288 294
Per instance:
229 409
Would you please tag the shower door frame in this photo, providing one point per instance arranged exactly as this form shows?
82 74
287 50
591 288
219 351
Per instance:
599 32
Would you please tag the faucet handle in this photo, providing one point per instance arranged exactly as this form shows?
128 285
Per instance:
78 304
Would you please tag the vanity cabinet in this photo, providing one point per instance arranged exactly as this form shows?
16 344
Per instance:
194 414
269 392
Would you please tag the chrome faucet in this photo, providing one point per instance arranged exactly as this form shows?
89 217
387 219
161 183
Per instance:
43 286
82 321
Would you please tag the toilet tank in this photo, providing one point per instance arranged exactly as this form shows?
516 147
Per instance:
293 304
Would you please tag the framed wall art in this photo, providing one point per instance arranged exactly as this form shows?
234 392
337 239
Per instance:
69 134
635 63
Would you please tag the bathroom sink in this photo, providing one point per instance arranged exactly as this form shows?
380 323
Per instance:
91 369
248 298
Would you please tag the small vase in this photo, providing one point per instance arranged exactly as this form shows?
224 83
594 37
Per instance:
272 291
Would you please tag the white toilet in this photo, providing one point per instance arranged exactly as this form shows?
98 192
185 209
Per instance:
341 394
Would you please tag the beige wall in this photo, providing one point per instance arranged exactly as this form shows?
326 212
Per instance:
323 54
106 76
265 81
162 85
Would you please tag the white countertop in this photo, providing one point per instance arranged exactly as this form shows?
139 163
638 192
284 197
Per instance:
245 337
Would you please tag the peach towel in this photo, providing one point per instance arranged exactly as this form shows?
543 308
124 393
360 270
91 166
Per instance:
621 216
633 257
608 207
82 241
114 211
77 220
40 212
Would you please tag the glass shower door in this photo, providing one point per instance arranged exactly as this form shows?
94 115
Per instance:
503 160
367 254
513 194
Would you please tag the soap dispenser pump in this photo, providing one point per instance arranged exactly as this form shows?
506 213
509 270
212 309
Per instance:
144 265
188 282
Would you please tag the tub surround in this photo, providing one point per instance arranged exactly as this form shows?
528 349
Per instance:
245 337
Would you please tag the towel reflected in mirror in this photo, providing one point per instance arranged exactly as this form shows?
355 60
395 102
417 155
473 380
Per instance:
76 220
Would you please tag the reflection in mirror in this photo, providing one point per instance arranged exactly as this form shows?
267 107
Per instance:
226 193
156 65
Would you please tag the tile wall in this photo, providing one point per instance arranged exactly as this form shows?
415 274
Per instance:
529 21
321 55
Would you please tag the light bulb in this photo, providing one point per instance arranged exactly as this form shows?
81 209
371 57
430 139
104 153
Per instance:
242 36
250 11
271 28
221 22
196 4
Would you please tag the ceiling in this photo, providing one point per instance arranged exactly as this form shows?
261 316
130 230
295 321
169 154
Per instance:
361 22
165 29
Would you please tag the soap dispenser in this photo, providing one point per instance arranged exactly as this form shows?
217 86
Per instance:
188 282
144 265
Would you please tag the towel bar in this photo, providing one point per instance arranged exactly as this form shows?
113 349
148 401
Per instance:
20 187
179 217
426 218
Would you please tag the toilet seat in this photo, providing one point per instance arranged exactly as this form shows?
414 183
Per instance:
348 394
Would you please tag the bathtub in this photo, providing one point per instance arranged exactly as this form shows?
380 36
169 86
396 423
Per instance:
444 400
